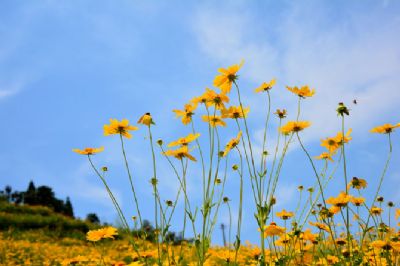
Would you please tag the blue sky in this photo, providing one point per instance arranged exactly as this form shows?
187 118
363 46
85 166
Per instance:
66 67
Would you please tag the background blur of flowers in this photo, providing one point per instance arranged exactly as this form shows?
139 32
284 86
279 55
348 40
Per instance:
67 67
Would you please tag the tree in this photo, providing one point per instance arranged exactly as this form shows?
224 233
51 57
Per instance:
92 218
8 191
45 196
68 210
30 196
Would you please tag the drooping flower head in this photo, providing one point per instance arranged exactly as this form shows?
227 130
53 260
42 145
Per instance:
146 120
89 151
294 126
185 140
358 201
180 153
266 86
235 112
227 77
342 109
384 129
186 113
119 127
281 113
214 120
303 91
376 210
232 144
357 183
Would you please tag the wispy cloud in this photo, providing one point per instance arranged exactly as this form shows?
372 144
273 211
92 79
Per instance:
352 58
11 88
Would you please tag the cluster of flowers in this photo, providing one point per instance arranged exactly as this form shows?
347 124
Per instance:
295 245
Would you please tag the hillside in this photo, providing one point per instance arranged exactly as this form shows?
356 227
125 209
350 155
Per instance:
24 217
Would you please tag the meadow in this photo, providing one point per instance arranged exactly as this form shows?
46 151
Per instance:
347 229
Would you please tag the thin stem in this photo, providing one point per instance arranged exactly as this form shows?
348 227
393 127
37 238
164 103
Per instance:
130 180
380 184
156 198
347 221
265 132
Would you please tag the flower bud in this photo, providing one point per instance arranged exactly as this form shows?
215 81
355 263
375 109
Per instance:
342 109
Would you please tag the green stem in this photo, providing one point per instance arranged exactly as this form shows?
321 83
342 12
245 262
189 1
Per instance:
263 167
380 183
347 221
130 180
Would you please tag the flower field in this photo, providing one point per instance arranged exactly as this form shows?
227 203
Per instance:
347 229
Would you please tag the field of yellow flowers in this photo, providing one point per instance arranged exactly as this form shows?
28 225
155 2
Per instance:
346 229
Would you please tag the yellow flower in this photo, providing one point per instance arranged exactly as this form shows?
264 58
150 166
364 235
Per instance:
199 99
358 201
334 143
211 97
182 152
380 244
218 100
227 77
376 210
185 140
281 114
284 215
332 259
340 139
308 235
186 113
357 183
302 92
89 151
146 119
330 144
232 144
214 120
320 226
384 129
119 127
324 156
106 232
273 230
397 214
340 201
94 235
333 210
235 112
266 86
293 126
340 241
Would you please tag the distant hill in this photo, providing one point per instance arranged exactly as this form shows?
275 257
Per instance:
25 217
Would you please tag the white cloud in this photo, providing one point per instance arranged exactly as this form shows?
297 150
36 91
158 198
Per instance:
80 187
353 58
8 89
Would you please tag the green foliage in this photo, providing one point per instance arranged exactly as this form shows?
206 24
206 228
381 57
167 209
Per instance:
36 217
42 195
